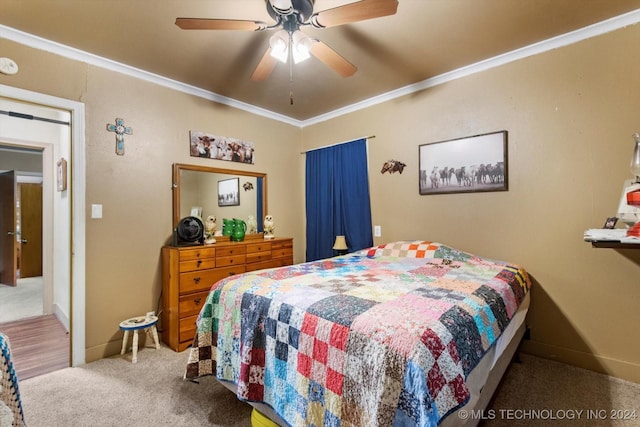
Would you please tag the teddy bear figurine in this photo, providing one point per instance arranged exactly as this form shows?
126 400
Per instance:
209 230
268 227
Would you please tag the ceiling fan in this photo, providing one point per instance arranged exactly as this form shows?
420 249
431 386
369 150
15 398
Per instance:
289 43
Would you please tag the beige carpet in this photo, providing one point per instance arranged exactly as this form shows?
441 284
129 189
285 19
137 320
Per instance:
115 392
22 301
540 392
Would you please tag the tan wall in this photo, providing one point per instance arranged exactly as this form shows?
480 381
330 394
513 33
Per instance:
570 114
123 249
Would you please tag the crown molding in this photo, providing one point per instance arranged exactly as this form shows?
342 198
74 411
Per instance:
98 61
594 30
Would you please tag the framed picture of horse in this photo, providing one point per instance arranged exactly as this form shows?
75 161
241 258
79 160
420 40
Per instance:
464 165
229 192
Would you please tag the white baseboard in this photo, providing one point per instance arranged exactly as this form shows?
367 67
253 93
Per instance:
62 317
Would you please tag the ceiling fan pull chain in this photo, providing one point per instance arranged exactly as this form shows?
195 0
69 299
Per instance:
290 68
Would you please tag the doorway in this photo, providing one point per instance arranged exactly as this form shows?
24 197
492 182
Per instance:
63 233
21 273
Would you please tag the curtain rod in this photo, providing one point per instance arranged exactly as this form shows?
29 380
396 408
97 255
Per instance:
338 143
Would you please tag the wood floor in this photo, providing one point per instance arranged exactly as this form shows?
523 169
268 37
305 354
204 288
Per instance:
38 345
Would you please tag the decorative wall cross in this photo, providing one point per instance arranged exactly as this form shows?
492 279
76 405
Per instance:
120 129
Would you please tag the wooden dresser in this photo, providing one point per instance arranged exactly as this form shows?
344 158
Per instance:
189 272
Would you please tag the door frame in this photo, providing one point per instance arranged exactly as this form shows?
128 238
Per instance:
77 189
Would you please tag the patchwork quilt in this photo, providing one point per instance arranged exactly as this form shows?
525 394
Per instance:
10 403
385 336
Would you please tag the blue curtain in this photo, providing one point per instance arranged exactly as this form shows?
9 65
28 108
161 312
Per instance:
337 199
260 215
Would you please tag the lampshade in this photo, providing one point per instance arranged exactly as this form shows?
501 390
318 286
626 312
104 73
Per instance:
340 244
279 43
635 160
301 46
299 42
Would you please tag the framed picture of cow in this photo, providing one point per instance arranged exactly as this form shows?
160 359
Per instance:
464 165
218 147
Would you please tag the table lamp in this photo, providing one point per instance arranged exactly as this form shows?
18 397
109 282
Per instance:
340 245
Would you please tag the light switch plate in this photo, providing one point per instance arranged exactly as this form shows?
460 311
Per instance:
377 231
96 211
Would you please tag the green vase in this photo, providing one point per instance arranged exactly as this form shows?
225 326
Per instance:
239 230
227 227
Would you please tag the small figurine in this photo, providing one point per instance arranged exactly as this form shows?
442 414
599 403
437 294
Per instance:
252 225
210 230
268 227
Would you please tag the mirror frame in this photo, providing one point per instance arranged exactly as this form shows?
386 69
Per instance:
178 167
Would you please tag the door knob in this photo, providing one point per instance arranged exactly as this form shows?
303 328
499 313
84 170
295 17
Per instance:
23 241
11 233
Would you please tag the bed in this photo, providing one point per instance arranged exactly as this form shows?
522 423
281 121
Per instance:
406 333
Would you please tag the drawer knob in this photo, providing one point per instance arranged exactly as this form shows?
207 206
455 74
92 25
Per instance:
197 301
199 262
196 279
231 273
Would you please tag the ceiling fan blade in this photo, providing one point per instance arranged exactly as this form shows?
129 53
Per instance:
265 67
219 24
353 12
333 59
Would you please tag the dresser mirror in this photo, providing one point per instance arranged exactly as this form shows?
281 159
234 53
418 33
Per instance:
197 191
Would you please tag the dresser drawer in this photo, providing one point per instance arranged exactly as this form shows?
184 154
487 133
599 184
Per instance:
226 261
191 304
258 256
187 328
197 253
197 264
198 281
231 250
258 247
282 251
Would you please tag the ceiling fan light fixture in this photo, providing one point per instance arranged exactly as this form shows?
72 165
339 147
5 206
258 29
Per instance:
301 46
279 43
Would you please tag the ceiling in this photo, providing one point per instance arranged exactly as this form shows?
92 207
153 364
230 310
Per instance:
425 38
